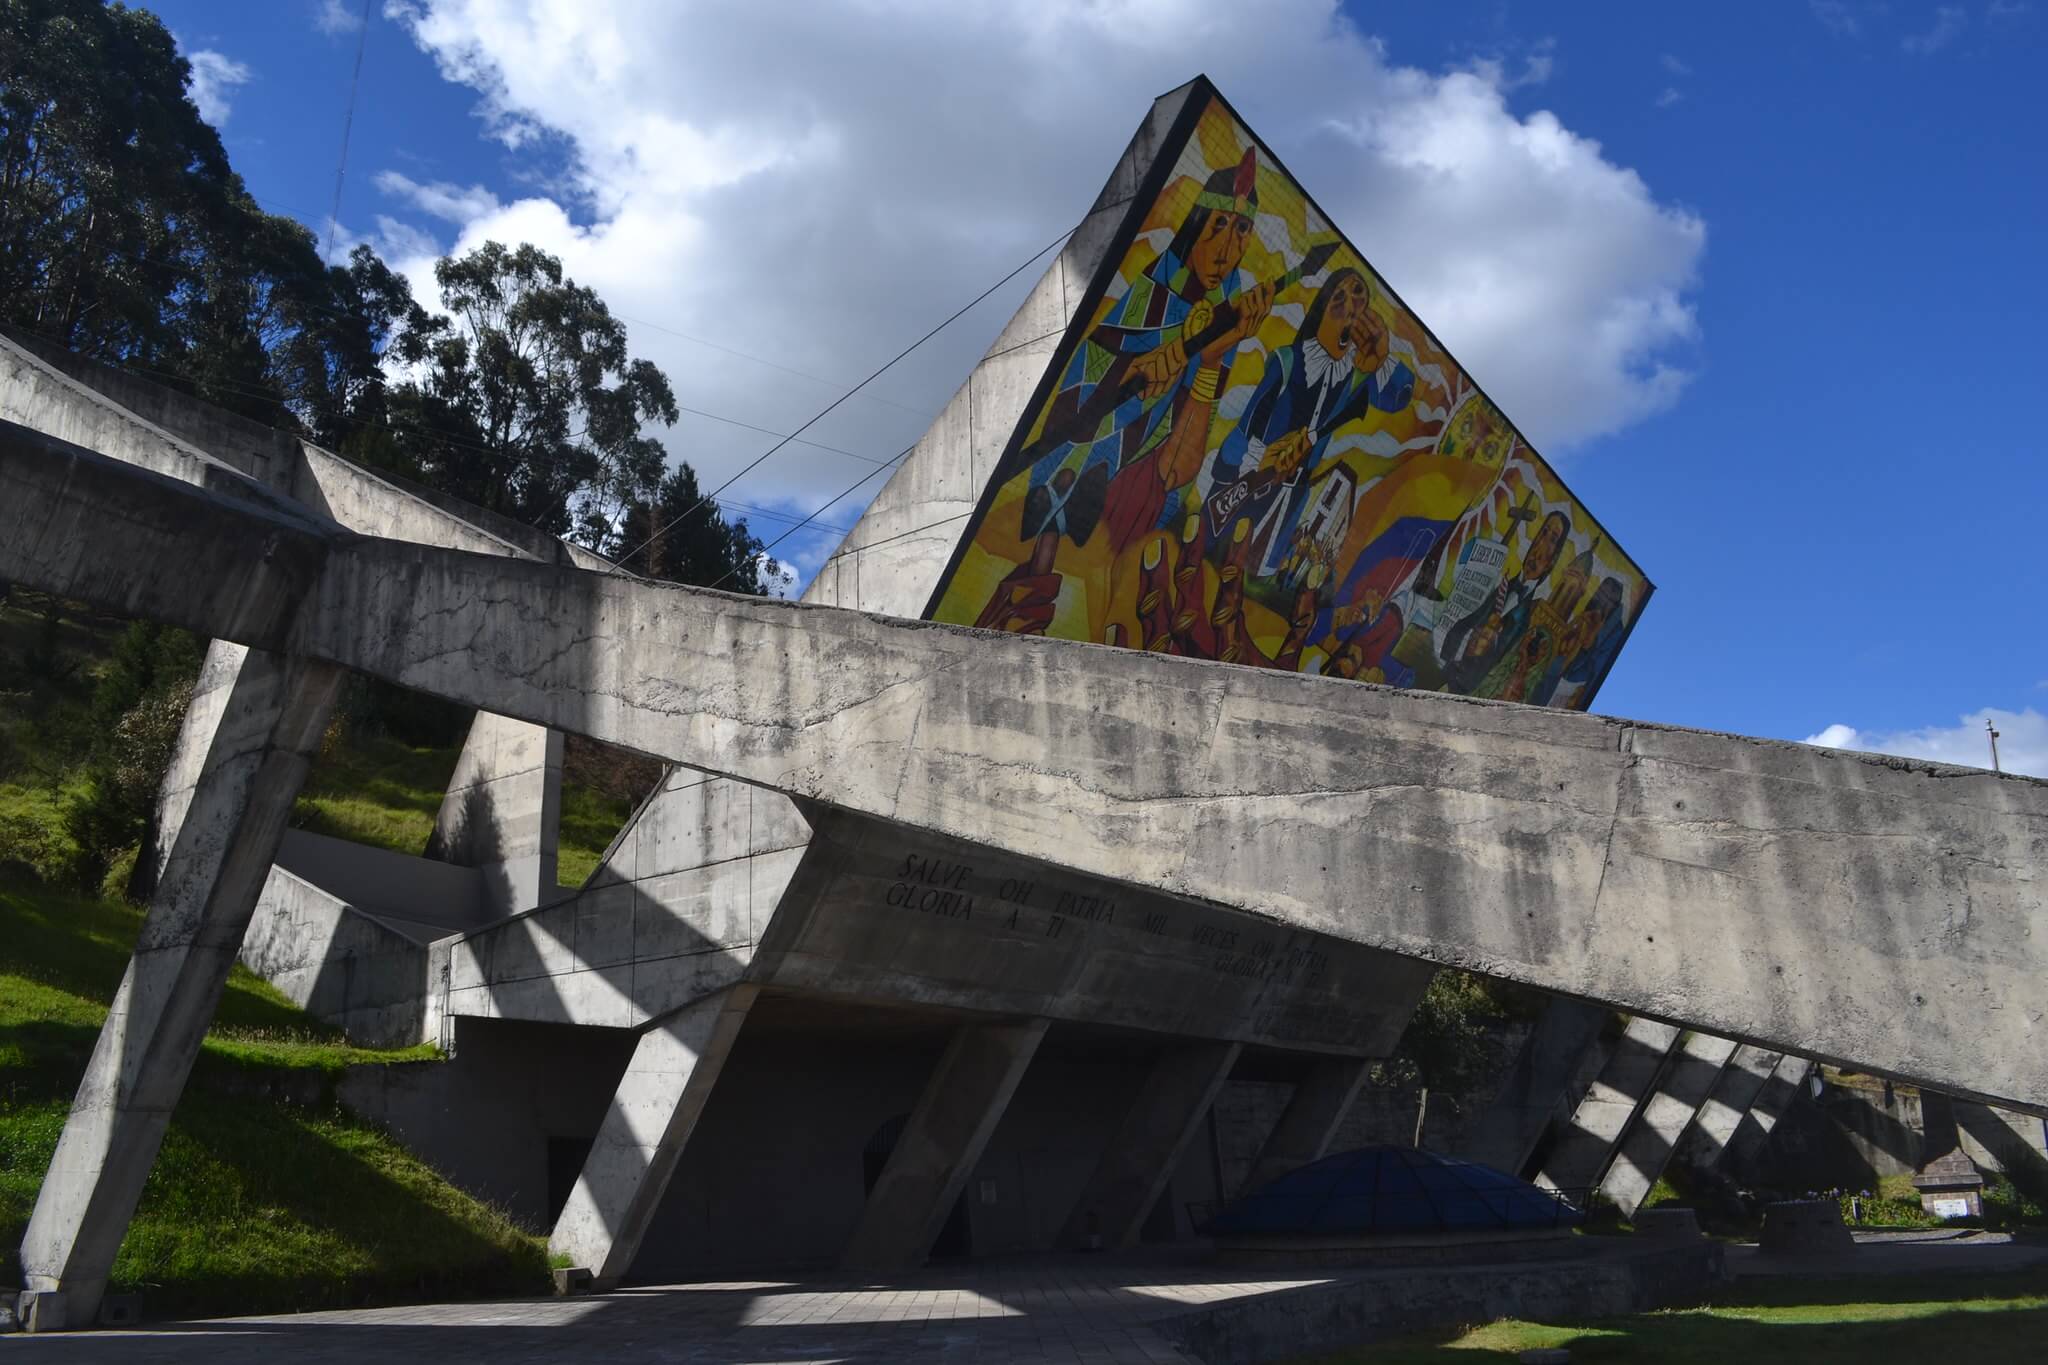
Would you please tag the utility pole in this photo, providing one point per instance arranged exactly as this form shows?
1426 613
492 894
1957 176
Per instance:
1994 743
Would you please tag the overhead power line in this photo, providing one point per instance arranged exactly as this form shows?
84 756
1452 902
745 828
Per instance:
348 120
825 411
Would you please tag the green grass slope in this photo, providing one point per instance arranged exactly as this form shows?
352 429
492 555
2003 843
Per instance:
256 1204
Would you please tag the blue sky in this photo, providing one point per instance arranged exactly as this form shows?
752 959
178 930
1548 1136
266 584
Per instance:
1762 279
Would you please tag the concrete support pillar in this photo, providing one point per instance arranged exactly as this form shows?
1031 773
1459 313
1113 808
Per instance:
1587 1145
1741 1082
255 722
1539 1090
1311 1119
1134 1169
1659 1125
503 811
941 1143
653 1113
1771 1103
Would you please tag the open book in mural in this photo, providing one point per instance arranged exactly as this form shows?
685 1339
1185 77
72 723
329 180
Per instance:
1248 449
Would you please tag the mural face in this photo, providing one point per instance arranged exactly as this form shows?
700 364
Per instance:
1249 450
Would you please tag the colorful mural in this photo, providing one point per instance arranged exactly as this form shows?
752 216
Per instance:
1247 449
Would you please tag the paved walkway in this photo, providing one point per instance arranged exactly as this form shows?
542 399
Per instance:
1094 1314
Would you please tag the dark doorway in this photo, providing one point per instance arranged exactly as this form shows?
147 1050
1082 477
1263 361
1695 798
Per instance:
566 1156
956 1241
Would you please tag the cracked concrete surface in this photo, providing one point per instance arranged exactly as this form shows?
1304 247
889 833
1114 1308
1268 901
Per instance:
1878 912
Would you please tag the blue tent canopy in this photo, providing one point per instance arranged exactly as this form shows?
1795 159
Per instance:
1393 1191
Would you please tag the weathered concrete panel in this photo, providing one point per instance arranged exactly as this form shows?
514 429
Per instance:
1540 846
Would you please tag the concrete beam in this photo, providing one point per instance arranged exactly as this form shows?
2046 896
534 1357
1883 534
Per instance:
1311 1119
652 1116
1660 1125
1539 1089
255 723
1772 893
1744 1078
1580 1159
941 1144
1139 1161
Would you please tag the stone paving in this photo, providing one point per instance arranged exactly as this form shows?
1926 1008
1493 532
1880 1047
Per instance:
1095 1314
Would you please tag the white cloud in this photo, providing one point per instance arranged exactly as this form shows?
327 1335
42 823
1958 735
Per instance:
453 203
1675 66
1837 17
819 190
2022 741
1671 95
1948 22
214 77
337 16
2007 9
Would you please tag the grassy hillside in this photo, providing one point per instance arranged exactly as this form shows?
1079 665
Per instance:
378 780
256 1204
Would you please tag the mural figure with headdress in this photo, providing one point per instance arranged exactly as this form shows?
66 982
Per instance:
1156 352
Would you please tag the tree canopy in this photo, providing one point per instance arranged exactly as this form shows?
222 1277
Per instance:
126 235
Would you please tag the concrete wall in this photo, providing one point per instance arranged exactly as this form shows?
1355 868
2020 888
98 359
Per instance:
136 411
502 812
672 914
484 1118
343 929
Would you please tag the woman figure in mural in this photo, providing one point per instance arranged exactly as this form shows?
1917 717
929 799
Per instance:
1495 628
1122 394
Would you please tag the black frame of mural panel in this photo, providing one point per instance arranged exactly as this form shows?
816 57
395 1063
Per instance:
1165 160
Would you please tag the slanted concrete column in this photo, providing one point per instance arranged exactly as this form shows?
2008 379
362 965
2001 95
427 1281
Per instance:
1134 1169
1313 1114
652 1115
2008 1141
255 722
1646 1148
503 811
941 1143
1741 1082
1771 1103
1587 1145
1539 1089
